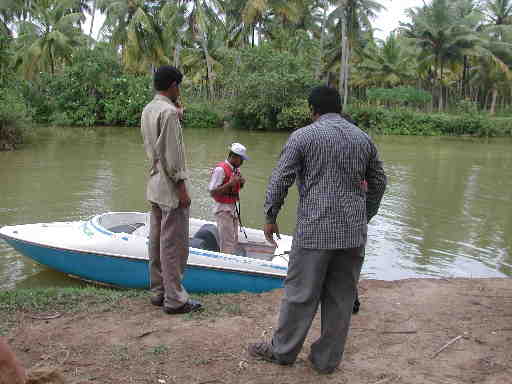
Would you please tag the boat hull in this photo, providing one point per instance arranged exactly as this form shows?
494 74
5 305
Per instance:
134 273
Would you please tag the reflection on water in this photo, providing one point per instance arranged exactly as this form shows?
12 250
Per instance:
447 211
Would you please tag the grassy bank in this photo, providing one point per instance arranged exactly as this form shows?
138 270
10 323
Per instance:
40 302
68 300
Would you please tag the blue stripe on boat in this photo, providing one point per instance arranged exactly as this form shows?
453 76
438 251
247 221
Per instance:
134 273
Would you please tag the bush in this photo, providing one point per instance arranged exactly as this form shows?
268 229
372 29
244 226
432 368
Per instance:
399 96
14 115
91 91
406 122
125 100
201 115
294 117
269 82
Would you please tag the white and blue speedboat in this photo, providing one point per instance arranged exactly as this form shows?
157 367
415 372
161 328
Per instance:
111 248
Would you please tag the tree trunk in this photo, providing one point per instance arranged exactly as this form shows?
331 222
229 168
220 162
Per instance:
465 78
208 67
322 38
440 109
92 17
52 62
344 53
492 110
347 74
177 53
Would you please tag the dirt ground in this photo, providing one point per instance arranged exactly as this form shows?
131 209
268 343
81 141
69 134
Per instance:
397 338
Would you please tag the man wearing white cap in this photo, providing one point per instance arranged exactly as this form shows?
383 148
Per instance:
224 187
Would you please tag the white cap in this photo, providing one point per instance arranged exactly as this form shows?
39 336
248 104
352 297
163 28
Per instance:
239 150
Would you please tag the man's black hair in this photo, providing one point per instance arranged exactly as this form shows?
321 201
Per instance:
324 99
164 76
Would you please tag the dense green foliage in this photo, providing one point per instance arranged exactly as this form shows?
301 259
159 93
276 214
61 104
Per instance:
201 115
295 116
95 91
14 116
259 60
269 83
406 122
401 96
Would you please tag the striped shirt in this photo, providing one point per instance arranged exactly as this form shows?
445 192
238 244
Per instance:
329 160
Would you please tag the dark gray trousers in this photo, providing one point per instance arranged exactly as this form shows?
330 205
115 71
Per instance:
315 276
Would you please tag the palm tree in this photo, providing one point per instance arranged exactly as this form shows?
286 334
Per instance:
203 14
93 16
9 11
253 13
493 70
499 11
441 38
323 5
494 65
133 27
48 36
388 64
353 17
172 19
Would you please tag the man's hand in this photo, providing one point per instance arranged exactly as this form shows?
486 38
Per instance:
180 112
180 109
183 196
185 200
235 179
242 182
269 231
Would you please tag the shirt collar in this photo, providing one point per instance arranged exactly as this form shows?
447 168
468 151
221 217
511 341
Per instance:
329 116
163 98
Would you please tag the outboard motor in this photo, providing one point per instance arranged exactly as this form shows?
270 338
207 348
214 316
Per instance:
206 238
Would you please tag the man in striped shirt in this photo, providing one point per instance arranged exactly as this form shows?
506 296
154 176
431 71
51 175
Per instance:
330 160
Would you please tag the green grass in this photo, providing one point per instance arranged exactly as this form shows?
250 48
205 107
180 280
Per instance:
160 350
63 299
120 353
93 299
67 300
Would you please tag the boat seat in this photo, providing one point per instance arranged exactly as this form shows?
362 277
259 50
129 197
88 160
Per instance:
210 236
197 243
126 228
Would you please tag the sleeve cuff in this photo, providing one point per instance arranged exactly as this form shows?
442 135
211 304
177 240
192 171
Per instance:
179 176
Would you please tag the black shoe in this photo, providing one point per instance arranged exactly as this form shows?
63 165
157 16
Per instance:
189 306
355 308
319 370
157 300
263 351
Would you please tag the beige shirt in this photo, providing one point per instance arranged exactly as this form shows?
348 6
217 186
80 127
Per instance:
163 143
215 182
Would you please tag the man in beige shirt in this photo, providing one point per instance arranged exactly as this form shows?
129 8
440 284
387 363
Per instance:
167 193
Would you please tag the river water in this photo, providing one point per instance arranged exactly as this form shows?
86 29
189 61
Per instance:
447 211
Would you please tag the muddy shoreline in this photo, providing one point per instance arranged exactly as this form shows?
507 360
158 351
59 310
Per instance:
409 331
